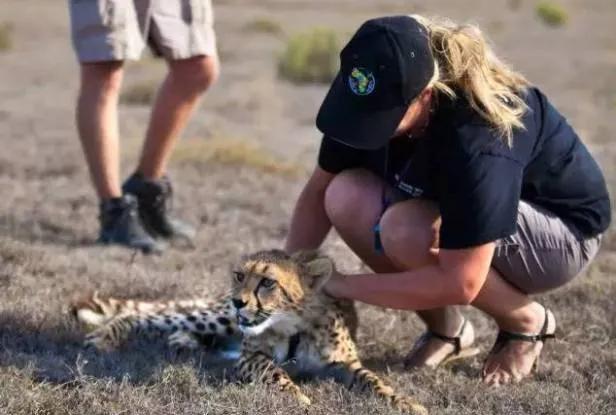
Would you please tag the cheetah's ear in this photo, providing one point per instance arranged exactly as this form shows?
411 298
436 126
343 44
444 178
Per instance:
319 270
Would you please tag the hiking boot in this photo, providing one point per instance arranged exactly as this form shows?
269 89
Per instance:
155 197
120 225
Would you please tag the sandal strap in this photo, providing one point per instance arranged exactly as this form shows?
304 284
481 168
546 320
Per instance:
505 335
455 341
543 334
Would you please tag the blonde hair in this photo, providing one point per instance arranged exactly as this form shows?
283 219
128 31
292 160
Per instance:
465 62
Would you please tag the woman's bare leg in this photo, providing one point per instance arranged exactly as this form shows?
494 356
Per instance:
409 233
361 191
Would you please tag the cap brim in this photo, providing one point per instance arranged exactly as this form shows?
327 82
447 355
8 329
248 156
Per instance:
359 126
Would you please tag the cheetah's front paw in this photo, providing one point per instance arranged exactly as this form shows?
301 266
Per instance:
182 340
100 339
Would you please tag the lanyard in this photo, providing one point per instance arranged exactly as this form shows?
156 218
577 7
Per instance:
386 201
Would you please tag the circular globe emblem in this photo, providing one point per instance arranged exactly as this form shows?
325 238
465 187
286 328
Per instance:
361 81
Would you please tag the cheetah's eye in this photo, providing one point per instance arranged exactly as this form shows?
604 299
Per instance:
268 282
239 276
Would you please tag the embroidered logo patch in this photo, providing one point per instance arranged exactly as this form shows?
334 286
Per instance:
361 81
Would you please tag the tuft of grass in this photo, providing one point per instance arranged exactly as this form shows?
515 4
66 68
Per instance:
551 13
140 93
266 26
236 152
6 36
310 57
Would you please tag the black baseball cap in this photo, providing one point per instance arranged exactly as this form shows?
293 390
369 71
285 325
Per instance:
383 67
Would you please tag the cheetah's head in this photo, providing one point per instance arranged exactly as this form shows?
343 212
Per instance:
269 287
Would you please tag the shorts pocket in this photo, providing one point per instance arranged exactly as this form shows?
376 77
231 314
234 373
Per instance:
88 16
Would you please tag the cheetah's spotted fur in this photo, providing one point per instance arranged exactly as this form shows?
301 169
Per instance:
276 309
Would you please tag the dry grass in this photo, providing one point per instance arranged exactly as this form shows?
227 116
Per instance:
44 370
48 221
310 57
234 152
552 13
6 36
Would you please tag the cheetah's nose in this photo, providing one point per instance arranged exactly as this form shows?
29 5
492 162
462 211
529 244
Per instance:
238 303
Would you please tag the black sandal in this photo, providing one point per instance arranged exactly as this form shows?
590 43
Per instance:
504 337
458 353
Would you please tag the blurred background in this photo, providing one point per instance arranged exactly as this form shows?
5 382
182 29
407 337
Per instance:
238 169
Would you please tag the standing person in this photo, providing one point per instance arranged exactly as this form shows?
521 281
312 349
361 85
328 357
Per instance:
457 182
105 34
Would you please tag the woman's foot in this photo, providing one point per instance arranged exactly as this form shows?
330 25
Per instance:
515 355
435 349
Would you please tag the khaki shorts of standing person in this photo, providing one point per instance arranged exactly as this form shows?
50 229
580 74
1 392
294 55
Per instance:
118 30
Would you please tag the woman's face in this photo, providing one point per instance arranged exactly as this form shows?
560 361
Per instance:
417 115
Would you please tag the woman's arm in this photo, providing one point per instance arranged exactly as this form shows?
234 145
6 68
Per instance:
457 278
309 223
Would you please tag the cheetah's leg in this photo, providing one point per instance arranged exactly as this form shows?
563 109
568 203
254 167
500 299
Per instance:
183 340
112 333
367 379
257 366
341 353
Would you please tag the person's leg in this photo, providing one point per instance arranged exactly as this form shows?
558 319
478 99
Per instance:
176 100
542 255
359 191
188 44
102 41
103 38
512 310
97 124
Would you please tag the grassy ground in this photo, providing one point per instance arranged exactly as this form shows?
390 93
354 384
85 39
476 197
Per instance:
237 175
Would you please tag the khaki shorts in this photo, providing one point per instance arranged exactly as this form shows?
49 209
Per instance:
118 30
544 253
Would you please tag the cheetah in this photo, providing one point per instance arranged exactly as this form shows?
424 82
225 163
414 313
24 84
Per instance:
275 307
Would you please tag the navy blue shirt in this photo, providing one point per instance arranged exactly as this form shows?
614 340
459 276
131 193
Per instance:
478 181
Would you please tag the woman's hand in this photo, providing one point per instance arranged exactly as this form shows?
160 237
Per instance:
334 287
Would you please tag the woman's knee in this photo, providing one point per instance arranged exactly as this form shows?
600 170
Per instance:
350 195
409 231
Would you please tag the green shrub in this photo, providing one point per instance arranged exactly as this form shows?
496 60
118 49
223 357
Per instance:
310 57
233 151
552 13
6 36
